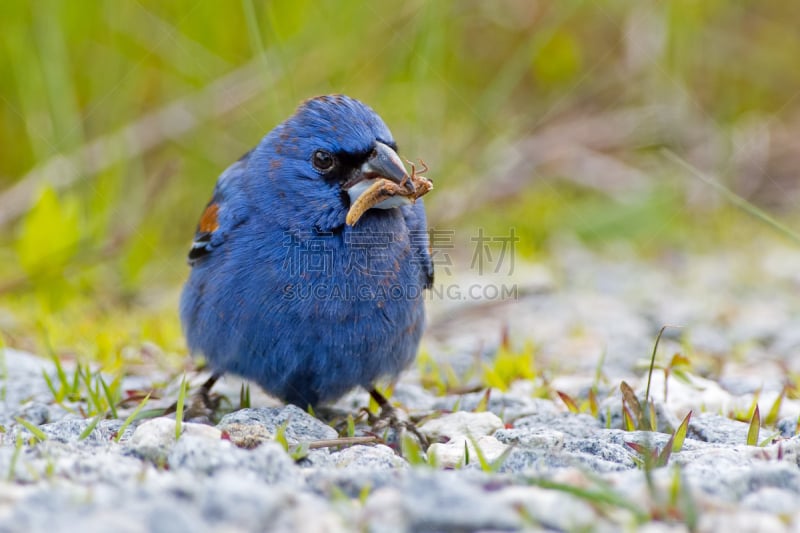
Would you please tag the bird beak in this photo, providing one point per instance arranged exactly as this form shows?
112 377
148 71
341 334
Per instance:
383 163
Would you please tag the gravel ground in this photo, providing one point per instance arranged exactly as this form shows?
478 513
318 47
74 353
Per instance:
537 466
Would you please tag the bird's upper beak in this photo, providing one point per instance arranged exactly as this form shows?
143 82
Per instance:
384 163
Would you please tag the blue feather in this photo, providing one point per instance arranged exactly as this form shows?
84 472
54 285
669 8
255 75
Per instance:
284 292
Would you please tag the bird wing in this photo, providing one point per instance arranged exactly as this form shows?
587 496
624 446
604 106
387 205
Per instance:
417 225
222 214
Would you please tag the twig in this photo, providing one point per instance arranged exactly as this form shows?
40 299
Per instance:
344 441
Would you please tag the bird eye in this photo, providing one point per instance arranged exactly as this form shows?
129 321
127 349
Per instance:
322 160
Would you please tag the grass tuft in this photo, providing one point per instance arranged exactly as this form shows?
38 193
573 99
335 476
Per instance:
509 366
411 450
244 396
487 466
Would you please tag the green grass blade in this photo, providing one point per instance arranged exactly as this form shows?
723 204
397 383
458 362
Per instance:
769 439
364 493
40 435
732 197
75 385
486 465
299 451
653 360
411 450
131 417
600 497
594 406
112 407
50 386
628 423
663 458
244 396
569 402
12 465
280 436
755 427
92 393
179 408
598 371
774 411
149 413
632 401
253 29
651 415
88 431
680 433
483 404
62 375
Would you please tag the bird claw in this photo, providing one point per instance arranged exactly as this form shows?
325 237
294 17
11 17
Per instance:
392 419
203 405
394 424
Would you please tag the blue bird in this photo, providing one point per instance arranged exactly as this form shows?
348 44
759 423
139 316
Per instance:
282 290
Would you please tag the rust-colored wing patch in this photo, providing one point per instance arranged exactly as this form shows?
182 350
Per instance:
209 221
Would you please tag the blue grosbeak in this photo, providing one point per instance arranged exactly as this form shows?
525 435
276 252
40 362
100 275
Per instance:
282 290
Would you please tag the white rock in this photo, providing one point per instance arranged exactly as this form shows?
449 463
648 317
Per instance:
461 424
539 438
452 454
699 394
152 439
164 428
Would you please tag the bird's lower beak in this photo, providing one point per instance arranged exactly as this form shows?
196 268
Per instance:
383 163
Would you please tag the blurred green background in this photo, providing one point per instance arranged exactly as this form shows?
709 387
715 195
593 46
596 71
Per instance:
549 116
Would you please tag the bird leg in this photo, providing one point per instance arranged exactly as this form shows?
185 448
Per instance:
202 404
394 418
204 392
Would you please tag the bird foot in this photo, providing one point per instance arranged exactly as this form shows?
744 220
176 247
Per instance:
394 424
201 406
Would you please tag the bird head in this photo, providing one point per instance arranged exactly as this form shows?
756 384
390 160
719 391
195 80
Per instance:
318 162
